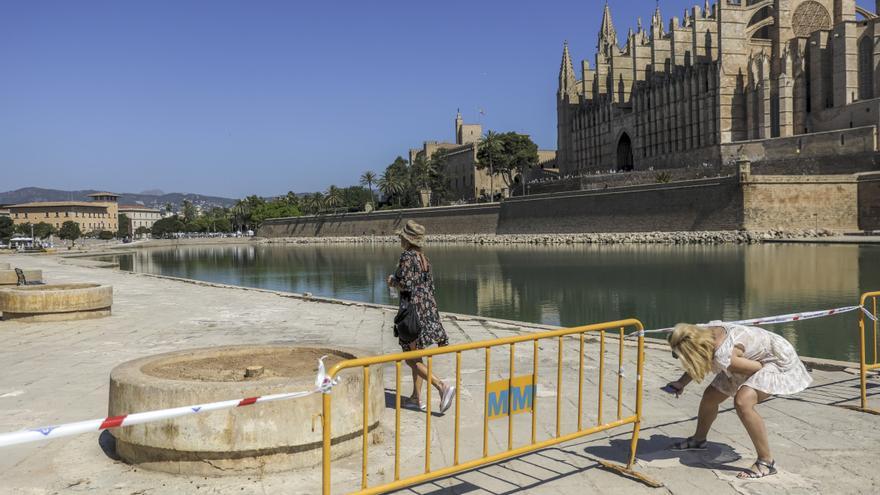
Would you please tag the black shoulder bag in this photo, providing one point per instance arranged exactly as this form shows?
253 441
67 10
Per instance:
406 322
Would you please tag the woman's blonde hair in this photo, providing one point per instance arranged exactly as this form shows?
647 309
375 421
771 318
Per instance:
695 347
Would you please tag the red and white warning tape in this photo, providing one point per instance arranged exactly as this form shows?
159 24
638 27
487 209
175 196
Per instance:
772 320
323 384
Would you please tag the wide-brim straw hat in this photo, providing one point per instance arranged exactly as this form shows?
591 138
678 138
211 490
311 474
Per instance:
413 232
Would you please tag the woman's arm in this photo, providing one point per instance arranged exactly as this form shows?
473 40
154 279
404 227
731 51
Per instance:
741 365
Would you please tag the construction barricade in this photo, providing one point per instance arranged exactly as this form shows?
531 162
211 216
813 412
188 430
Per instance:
508 398
867 324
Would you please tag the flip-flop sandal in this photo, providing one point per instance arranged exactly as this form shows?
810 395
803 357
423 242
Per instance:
689 444
751 474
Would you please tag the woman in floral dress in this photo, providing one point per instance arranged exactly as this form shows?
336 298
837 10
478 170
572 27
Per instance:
414 280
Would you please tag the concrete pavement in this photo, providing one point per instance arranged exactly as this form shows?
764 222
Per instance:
58 372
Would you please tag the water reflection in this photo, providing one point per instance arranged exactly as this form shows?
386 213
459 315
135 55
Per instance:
570 285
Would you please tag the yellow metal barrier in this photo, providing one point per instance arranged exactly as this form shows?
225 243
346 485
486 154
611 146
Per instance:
869 303
618 327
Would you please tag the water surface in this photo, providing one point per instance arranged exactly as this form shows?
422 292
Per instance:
569 285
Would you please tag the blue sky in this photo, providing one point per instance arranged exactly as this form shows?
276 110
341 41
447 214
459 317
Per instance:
235 98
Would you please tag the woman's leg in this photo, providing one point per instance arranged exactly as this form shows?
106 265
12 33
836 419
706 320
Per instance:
417 380
745 401
420 373
712 398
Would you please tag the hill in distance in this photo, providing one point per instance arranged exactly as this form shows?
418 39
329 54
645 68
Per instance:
31 194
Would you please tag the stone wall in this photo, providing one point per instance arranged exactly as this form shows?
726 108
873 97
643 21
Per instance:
817 153
800 202
706 204
759 203
869 201
478 219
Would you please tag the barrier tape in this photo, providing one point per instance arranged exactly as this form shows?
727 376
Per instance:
323 384
772 320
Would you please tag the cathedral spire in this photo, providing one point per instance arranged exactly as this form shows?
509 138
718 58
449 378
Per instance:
657 22
607 33
567 79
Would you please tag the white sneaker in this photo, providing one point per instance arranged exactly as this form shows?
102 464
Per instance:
446 401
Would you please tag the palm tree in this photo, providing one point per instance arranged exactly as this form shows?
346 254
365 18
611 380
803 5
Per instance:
333 197
367 179
392 185
314 203
491 143
240 214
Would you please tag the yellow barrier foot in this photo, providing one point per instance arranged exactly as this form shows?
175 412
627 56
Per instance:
629 473
862 409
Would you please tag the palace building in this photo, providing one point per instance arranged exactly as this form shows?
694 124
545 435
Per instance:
101 213
774 79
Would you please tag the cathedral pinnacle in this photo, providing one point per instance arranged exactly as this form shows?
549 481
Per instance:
567 80
657 22
607 33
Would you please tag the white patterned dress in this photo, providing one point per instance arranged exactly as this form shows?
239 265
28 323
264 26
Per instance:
782 373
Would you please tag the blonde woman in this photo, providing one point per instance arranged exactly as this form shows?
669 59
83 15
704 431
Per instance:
751 364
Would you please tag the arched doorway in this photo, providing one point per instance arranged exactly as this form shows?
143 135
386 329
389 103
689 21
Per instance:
624 153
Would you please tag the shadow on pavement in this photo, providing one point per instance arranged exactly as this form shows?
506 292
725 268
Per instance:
656 450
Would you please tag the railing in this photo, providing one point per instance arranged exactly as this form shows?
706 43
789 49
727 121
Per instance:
864 366
506 397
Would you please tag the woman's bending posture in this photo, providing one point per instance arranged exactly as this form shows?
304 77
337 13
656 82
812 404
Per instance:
751 364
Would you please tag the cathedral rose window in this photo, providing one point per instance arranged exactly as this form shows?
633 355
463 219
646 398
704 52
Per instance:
810 17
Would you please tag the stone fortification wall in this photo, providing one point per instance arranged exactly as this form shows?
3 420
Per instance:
869 201
817 153
590 182
801 202
478 219
706 204
759 203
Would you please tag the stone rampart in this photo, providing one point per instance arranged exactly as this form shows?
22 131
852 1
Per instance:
477 219
801 202
818 153
758 203
705 204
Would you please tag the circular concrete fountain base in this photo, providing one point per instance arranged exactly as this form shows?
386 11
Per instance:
56 302
265 437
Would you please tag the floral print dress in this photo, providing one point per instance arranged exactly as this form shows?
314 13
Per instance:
418 285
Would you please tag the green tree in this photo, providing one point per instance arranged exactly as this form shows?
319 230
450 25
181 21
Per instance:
189 211
333 197
23 229
70 231
314 203
168 207
167 225
368 179
140 231
43 230
124 226
507 155
392 186
439 181
105 235
7 229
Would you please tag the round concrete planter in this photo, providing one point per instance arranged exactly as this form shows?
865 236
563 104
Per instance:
8 277
266 437
56 302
